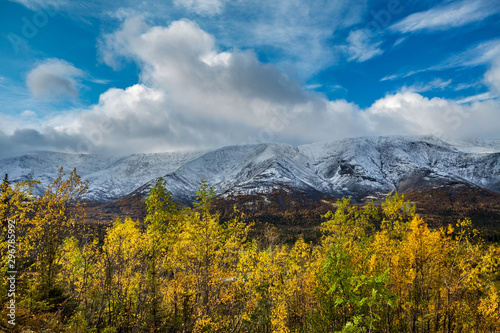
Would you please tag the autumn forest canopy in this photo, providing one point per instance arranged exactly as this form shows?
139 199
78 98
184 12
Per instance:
376 268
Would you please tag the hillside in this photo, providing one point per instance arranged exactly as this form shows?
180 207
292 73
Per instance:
360 168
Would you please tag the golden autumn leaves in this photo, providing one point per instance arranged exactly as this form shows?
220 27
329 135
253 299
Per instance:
376 269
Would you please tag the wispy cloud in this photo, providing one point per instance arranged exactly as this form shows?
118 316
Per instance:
447 16
336 87
480 54
476 98
390 77
361 46
295 35
399 41
298 33
436 84
463 86
202 7
37 4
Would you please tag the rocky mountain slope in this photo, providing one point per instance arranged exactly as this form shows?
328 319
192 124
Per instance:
110 177
358 167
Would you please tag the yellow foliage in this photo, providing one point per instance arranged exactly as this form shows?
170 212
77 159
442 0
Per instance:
489 309
377 269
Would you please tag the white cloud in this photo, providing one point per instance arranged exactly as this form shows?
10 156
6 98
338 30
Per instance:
28 114
492 77
399 41
463 86
37 4
183 60
436 84
480 54
411 113
201 96
476 98
449 15
203 7
191 95
361 47
54 78
390 77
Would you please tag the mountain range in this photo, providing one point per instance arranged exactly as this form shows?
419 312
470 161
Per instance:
358 167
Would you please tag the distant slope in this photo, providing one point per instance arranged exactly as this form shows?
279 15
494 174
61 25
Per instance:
110 177
358 167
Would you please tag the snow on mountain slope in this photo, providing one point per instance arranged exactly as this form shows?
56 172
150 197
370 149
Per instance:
110 177
246 169
385 163
478 146
356 167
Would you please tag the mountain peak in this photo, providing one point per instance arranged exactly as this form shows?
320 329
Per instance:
356 167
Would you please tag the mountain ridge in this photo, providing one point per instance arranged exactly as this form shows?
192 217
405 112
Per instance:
354 167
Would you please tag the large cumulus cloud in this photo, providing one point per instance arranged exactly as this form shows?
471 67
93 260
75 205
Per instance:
193 95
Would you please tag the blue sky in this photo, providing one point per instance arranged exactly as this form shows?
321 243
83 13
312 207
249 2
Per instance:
122 76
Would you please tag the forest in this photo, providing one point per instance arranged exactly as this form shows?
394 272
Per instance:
376 268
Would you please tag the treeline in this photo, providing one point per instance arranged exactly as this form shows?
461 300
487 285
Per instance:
376 269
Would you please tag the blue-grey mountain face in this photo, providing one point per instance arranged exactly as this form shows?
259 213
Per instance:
359 167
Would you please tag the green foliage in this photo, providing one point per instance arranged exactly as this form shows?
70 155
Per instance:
159 204
349 222
352 296
205 196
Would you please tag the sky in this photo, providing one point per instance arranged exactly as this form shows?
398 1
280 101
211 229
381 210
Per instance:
105 76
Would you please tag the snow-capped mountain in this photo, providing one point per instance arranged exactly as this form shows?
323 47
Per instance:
352 167
357 167
110 177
